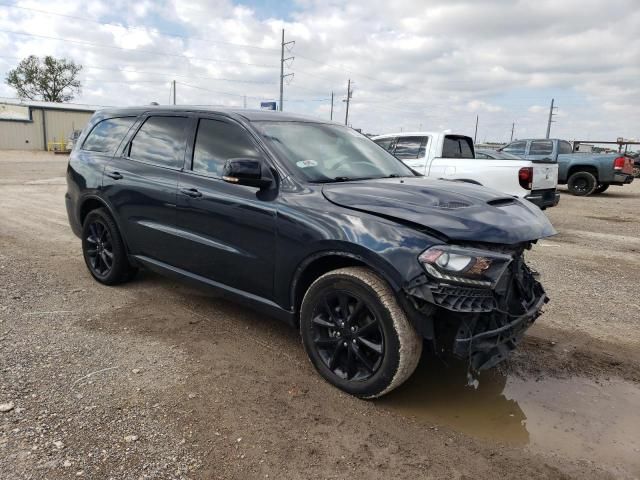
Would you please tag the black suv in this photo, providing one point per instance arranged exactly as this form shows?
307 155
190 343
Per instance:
314 223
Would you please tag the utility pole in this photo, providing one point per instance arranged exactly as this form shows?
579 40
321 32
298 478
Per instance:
282 60
551 114
349 94
513 126
173 89
475 135
331 118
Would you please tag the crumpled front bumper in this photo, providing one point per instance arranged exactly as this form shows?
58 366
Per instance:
485 347
478 324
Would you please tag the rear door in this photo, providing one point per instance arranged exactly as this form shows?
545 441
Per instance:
142 181
412 152
545 167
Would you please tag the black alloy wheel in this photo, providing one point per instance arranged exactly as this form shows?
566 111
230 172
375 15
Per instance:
582 183
103 249
348 336
100 251
356 334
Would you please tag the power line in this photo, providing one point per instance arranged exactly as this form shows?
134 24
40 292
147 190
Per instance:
138 27
251 97
150 52
164 74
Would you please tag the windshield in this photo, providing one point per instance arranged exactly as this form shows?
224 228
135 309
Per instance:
321 152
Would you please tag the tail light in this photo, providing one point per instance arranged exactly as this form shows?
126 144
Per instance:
618 163
525 177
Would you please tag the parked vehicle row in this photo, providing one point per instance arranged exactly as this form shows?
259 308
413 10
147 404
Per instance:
314 223
583 173
447 156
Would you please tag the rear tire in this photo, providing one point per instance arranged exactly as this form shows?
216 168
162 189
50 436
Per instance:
582 183
103 249
601 188
355 333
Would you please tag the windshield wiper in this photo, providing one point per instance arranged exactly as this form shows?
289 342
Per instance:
343 179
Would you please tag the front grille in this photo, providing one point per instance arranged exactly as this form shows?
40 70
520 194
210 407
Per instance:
463 299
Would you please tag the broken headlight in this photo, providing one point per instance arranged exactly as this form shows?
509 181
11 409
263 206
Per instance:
468 266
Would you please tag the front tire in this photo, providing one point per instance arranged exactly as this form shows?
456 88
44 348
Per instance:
582 183
103 249
355 333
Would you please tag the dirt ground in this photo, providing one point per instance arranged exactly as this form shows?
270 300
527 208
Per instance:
154 379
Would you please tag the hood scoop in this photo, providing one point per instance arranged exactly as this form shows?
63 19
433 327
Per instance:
452 205
501 202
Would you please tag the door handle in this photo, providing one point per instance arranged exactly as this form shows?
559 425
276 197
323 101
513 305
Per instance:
114 175
191 192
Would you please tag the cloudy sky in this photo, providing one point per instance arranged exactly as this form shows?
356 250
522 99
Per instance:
430 64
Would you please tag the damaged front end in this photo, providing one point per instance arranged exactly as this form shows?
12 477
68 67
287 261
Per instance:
475 302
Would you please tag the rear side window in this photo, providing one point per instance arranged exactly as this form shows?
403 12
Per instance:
564 147
385 143
541 147
408 148
516 148
217 142
107 135
457 147
160 141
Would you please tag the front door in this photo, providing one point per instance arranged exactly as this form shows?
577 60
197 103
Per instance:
228 232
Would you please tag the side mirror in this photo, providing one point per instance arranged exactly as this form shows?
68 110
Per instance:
247 171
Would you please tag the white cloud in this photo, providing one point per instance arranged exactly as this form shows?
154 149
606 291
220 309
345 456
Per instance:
431 64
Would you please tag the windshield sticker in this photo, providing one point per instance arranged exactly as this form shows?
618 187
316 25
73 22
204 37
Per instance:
307 163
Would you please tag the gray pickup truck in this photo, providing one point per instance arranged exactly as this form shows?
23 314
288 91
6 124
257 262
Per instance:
583 173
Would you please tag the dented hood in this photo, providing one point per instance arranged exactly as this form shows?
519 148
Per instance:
456 210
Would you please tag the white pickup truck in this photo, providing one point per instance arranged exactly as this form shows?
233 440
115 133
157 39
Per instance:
452 157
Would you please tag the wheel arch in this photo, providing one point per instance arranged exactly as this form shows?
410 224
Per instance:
583 168
319 263
94 202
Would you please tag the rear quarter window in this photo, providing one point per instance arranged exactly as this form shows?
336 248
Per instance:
457 147
106 135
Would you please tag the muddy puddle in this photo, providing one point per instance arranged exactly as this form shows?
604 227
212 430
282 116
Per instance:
578 418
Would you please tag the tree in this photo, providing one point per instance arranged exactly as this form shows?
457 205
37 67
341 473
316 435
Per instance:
49 79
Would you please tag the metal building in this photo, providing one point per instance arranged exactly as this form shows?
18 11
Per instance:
33 125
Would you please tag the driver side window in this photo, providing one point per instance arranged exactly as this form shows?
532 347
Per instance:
410 148
516 148
218 141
